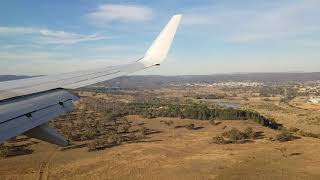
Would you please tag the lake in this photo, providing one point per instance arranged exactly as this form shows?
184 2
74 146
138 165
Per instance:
227 104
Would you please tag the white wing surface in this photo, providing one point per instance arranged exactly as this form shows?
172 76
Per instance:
27 104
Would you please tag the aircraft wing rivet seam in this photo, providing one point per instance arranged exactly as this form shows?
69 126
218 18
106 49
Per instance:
29 115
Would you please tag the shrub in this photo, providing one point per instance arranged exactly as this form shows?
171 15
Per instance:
75 136
219 140
143 131
4 151
284 136
213 122
92 146
189 126
124 128
113 139
108 140
90 133
133 137
249 133
97 144
234 134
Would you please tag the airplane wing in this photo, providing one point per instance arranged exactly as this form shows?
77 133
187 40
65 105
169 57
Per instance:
26 105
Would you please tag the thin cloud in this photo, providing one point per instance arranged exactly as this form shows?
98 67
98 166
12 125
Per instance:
271 21
47 36
45 63
16 30
108 13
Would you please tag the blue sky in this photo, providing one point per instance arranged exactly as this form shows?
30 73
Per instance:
49 37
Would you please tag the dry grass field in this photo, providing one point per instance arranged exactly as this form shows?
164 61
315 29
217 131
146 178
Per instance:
172 153
305 116
170 149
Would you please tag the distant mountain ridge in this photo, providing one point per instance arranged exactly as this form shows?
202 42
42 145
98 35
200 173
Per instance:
160 81
155 81
12 77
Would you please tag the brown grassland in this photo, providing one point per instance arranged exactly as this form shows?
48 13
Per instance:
175 148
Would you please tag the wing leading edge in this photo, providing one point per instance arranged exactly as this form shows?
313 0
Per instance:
27 104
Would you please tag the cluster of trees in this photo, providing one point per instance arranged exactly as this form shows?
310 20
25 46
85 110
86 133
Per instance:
8 150
4 150
287 91
268 91
210 96
284 136
235 136
201 112
98 124
102 123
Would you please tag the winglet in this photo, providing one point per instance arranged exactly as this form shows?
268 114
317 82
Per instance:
161 45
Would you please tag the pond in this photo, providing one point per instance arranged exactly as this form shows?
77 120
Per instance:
227 104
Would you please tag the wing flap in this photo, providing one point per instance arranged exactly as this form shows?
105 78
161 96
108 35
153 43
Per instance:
45 133
21 114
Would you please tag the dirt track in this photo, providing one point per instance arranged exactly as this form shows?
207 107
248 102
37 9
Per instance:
174 154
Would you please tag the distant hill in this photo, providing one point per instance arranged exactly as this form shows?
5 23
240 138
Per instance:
160 81
152 81
12 77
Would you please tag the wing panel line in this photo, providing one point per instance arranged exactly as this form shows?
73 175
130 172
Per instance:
5 121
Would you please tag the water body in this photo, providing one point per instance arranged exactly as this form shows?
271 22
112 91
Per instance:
227 104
